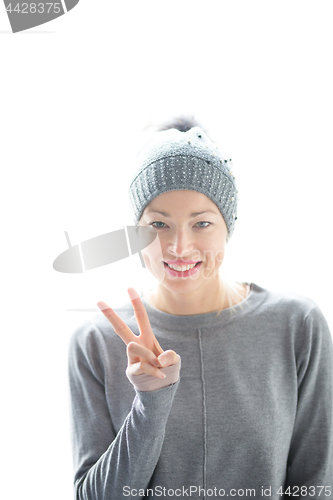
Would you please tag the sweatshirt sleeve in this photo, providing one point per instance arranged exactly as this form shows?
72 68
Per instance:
310 460
104 461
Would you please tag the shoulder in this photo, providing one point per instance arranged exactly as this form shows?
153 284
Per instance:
297 314
285 303
95 349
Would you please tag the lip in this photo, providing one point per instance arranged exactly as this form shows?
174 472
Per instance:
182 274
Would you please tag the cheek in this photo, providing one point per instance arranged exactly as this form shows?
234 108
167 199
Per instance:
219 257
214 253
153 262
153 252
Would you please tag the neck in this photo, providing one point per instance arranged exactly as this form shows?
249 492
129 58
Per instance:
199 301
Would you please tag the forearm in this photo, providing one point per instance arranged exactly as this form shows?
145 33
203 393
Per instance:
131 458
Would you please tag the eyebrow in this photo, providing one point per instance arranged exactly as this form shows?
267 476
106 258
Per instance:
192 215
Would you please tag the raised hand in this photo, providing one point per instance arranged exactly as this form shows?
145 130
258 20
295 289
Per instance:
144 353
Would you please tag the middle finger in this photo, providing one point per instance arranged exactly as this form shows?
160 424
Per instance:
142 319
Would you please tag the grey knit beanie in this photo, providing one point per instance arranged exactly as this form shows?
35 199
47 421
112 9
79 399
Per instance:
176 160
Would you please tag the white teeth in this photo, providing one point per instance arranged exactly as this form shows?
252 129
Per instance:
181 268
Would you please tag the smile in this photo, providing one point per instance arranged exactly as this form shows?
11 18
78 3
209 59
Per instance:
182 271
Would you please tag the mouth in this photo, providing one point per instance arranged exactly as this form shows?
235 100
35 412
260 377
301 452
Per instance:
183 274
199 262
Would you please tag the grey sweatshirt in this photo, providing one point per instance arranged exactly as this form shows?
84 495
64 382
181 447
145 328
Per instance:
250 416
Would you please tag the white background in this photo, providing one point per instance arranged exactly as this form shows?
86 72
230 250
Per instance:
75 96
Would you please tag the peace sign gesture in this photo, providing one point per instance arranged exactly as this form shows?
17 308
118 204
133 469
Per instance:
144 353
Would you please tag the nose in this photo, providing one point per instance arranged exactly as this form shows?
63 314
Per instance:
181 244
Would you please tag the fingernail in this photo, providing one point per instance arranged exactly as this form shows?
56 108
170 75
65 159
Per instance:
132 293
163 361
102 305
163 375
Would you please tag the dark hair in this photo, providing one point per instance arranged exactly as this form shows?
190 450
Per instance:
182 123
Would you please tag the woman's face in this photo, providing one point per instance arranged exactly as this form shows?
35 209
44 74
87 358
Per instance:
183 235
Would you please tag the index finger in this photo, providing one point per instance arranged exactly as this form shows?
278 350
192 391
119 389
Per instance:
119 326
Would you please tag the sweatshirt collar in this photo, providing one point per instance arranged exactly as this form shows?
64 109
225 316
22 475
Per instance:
186 322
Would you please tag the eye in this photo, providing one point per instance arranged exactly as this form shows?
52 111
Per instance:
161 227
156 222
204 222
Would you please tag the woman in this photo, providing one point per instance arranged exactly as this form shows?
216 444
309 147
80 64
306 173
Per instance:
214 404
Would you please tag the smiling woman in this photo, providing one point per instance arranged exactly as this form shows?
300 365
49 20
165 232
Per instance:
186 237
210 402
194 174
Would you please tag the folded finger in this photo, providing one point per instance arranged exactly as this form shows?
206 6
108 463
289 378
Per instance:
143 367
168 358
136 351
